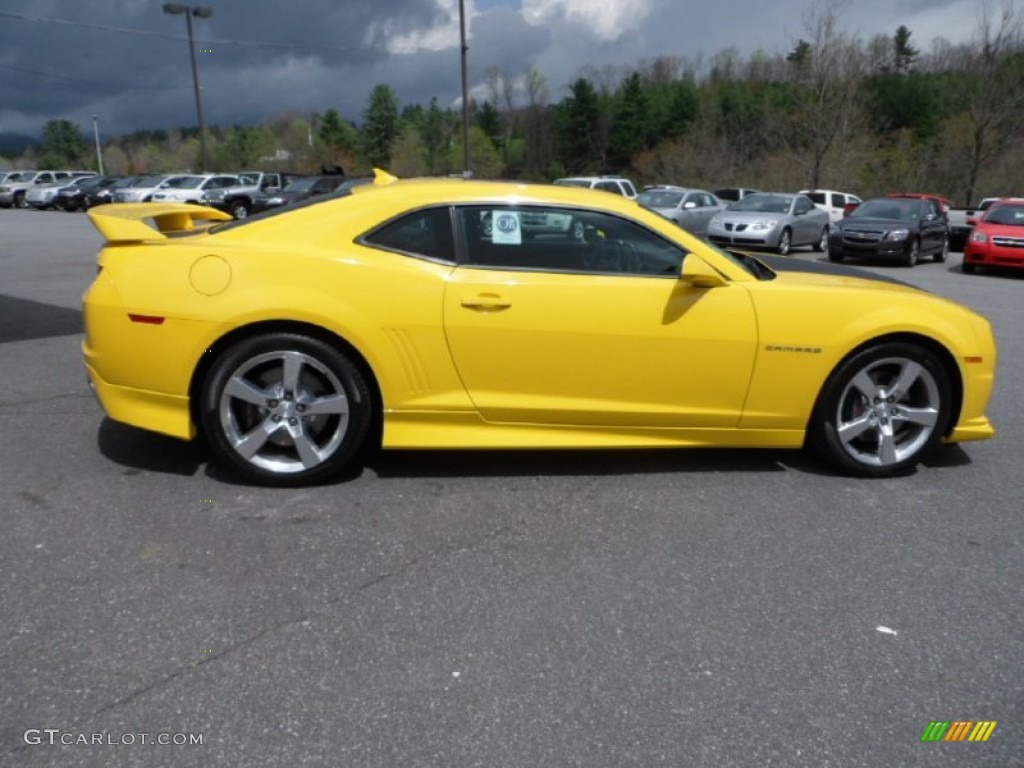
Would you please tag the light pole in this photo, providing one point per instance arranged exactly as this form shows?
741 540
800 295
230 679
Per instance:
200 12
99 152
466 173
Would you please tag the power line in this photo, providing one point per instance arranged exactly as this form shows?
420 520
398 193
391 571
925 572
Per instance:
106 83
165 36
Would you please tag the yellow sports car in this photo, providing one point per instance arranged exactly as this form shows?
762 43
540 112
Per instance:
438 313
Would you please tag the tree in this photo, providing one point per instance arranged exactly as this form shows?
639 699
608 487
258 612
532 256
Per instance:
380 127
486 160
579 128
409 155
242 148
990 87
436 135
63 145
337 135
630 132
903 53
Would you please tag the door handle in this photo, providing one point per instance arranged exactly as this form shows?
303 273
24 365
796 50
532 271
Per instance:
486 302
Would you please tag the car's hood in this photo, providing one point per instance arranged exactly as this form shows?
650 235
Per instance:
823 273
1000 230
745 216
872 223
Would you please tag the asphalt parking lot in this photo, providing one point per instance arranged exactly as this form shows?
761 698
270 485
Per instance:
680 608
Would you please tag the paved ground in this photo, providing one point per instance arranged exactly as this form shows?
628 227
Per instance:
574 609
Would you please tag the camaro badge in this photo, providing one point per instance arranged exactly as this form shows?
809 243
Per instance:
790 348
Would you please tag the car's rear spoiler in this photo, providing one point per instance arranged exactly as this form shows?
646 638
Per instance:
129 222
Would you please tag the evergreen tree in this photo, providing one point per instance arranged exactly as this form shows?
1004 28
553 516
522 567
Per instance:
63 145
631 127
903 52
579 128
380 127
337 134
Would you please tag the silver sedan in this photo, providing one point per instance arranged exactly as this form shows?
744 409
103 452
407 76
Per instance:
691 209
775 220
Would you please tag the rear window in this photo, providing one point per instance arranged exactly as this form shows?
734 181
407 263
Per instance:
819 198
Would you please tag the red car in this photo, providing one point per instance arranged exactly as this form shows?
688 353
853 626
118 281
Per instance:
944 202
998 237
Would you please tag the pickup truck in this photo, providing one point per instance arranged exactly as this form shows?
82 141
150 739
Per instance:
961 222
237 200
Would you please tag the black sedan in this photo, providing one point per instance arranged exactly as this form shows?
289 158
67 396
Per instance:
900 230
76 194
300 189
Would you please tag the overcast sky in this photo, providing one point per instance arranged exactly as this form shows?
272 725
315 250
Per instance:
127 62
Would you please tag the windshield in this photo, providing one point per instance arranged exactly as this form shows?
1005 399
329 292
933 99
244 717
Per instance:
302 185
147 181
659 199
26 176
1010 215
888 208
572 183
183 182
763 203
127 181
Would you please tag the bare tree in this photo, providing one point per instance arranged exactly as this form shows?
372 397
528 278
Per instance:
991 76
825 75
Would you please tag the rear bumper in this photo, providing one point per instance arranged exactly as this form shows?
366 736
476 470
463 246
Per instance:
153 411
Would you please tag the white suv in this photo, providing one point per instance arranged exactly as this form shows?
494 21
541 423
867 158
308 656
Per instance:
835 204
615 184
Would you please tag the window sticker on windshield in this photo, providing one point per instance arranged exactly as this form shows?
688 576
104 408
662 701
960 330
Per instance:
507 230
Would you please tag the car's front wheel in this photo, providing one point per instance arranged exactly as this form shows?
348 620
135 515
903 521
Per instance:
822 245
785 242
883 410
20 201
943 252
239 209
967 268
913 253
285 409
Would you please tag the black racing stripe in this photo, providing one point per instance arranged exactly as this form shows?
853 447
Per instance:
783 264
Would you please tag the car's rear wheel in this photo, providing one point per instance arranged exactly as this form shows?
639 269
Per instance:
785 242
943 252
883 410
285 409
822 245
239 209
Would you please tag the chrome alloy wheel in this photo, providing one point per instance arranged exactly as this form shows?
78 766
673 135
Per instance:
888 411
284 411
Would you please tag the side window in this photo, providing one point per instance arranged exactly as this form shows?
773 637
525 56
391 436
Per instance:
803 205
426 233
608 186
838 200
694 198
563 240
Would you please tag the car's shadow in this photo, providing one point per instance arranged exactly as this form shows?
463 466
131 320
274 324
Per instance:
137 450
24 320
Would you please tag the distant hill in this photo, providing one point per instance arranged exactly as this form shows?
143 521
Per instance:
15 143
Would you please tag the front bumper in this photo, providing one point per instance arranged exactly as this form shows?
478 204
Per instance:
882 249
991 255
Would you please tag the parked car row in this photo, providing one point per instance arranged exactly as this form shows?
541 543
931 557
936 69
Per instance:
238 194
16 185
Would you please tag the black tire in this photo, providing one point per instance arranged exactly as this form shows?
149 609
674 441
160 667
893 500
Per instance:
239 209
885 431
943 252
19 200
785 242
835 256
285 409
967 268
911 257
822 245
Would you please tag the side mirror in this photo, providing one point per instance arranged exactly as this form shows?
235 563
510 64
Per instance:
699 274
688 205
